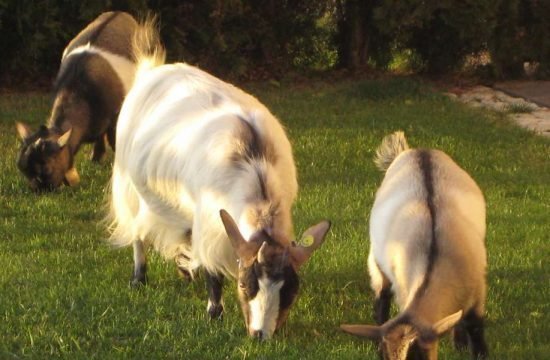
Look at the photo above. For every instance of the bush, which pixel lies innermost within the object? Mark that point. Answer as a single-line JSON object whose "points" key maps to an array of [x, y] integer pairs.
{"points": [[442, 33], [237, 37], [267, 38], [522, 34], [234, 38]]}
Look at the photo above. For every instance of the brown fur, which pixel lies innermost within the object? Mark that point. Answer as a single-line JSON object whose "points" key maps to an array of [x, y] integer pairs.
{"points": [[89, 94], [111, 31], [431, 246]]}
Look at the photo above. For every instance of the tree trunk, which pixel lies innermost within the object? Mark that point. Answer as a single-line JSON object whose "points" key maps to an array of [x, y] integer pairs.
{"points": [[353, 36]]}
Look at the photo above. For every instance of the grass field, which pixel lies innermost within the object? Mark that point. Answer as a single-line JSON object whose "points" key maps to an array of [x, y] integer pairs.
{"points": [[64, 290]]}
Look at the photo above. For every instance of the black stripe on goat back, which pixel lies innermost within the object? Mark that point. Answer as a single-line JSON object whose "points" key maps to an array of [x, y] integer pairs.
{"points": [[255, 149], [252, 141], [425, 163], [255, 146], [112, 31]]}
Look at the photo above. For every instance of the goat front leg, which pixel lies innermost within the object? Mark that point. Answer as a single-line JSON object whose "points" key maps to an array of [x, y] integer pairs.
{"points": [[139, 275], [214, 283], [460, 336], [474, 324], [382, 292], [415, 352], [183, 262], [382, 296]]}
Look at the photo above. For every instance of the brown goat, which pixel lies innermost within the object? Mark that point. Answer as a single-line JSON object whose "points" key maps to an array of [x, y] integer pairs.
{"points": [[97, 70]]}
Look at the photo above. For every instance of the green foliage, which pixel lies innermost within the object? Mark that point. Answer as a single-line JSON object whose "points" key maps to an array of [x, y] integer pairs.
{"points": [[24, 27], [519, 108], [318, 51], [442, 33], [233, 38], [268, 38], [437, 36], [236, 37], [64, 290], [522, 34], [33, 34]]}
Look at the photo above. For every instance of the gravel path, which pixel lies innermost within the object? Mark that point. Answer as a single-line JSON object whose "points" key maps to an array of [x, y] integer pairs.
{"points": [[523, 112]]}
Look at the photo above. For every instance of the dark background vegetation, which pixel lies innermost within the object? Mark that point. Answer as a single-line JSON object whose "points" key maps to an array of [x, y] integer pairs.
{"points": [[272, 39]]}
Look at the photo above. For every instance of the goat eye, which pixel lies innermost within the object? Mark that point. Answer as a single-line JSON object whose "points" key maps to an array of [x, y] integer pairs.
{"points": [[242, 285]]}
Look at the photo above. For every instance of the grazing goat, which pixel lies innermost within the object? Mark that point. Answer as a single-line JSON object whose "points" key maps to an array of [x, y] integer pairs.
{"points": [[427, 230], [204, 173], [97, 70]]}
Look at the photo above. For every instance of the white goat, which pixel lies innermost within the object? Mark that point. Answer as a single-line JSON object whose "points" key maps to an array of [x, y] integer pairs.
{"points": [[191, 150], [427, 230]]}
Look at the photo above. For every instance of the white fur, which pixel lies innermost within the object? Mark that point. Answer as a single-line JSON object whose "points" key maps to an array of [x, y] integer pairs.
{"points": [[124, 68], [400, 230], [173, 169], [264, 308]]}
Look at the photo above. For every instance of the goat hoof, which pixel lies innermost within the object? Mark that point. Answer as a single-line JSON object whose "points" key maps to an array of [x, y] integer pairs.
{"points": [[138, 282], [97, 158], [215, 311]]}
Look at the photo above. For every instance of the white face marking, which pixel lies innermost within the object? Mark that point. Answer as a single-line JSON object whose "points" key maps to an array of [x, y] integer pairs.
{"points": [[264, 308], [398, 351]]}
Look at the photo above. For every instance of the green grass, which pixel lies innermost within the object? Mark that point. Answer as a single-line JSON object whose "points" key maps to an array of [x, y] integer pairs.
{"points": [[64, 290], [519, 108]]}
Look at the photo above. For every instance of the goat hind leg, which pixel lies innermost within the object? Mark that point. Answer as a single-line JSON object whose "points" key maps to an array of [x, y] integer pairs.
{"points": [[111, 136], [99, 149]]}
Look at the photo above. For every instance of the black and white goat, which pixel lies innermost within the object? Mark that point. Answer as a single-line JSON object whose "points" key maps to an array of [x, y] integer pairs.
{"points": [[97, 70], [204, 173], [427, 230]]}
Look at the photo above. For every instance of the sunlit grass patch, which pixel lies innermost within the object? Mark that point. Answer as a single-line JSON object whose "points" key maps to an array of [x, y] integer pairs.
{"points": [[64, 290], [519, 108]]}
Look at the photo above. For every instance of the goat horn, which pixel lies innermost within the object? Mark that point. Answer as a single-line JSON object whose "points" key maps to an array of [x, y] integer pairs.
{"points": [[261, 253]]}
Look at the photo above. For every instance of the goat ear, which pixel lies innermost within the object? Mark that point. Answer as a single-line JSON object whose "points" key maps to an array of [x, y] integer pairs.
{"points": [[23, 130], [246, 250], [447, 322], [63, 139], [71, 177], [369, 331], [300, 254]]}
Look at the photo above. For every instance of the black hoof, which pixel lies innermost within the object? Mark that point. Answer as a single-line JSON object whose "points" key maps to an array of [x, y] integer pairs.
{"points": [[97, 158], [215, 312], [137, 282]]}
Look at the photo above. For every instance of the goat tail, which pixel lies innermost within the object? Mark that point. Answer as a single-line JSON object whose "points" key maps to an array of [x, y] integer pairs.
{"points": [[147, 48], [392, 145]]}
